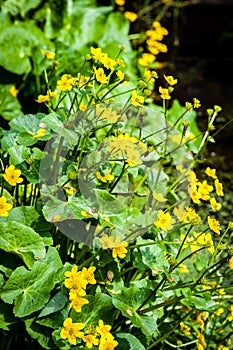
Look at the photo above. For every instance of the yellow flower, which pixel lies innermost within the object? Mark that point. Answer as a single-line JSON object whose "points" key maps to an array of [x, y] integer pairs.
{"points": [[103, 329], [50, 55], [218, 188], [202, 239], [199, 346], [77, 302], [131, 16], [183, 269], [214, 225], [214, 204], [204, 189], [71, 331], [69, 189], [191, 217], [65, 83], [107, 344], [137, 100], [52, 94], [13, 91], [40, 133], [201, 337], [146, 59], [108, 62], [196, 103], [12, 175], [211, 172], [170, 79], [100, 76], [120, 2], [159, 197], [105, 178], [119, 248], [87, 275], [184, 328], [90, 340], [164, 93], [4, 206], [231, 263], [107, 241], [164, 221], [97, 53], [219, 312], [43, 98]]}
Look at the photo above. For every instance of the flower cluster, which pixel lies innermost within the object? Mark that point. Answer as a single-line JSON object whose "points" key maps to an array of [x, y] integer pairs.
{"points": [[94, 336], [77, 282], [154, 45]]}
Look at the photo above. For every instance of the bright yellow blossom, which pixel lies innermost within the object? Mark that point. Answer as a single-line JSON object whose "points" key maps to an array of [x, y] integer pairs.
{"points": [[170, 80], [41, 132], [214, 204], [211, 172], [12, 175], [214, 225], [119, 248], [164, 93], [71, 330], [90, 340], [43, 98], [107, 344], [105, 178], [131, 16], [218, 188], [13, 91], [231, 263], [191, 217], [100, 76], [50, 55], [4, 206], [164, 221], [137, 100], [77, 302], [120, 2], [65, 83]]}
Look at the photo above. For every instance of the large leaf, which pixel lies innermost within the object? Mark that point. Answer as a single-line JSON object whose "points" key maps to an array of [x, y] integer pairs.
{"points": [[21, 240], [29, 290], [9, 105], [128, 303]]}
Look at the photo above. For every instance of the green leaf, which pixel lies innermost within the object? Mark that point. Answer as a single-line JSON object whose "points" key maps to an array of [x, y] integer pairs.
{"points": [[9, 105], [128, 302], [53, 121], [98, 308], [24, 215], [29, 123], [21, 240], [18, 154], [55, 304], [30, 290], [153, 256], [127, 341]]}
